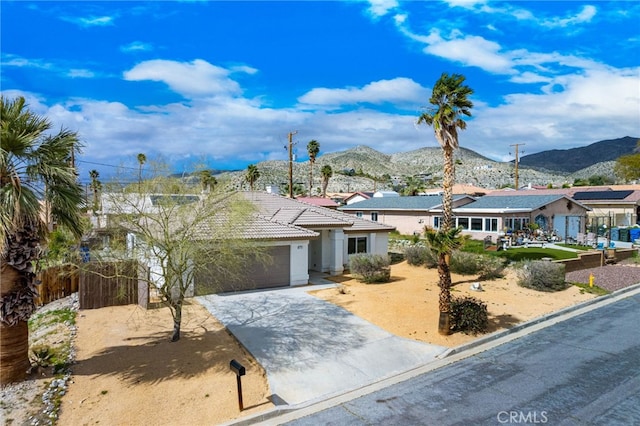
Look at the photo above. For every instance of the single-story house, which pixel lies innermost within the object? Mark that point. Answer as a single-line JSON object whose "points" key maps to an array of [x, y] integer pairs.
{"points": [[613, 205], [339, 234], [300, 237], [408, 215], [356, 197], [491, 215], [485, 216]]}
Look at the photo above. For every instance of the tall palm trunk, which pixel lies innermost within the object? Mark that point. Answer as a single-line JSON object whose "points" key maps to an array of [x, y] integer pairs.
{"points": [[448, 181], [444, 322], [310, 178], [444, 301], [17, 293], [14, 339]]}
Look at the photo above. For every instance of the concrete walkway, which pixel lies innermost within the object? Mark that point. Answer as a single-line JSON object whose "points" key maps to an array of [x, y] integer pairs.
{"points": [[312, 349]]}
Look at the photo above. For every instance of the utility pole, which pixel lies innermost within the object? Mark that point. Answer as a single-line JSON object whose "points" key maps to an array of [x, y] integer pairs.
{"points": [[291, 162], [517, 160]]}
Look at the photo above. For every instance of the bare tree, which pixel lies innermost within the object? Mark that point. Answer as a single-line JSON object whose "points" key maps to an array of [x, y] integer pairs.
{"points": [[180, 234]]}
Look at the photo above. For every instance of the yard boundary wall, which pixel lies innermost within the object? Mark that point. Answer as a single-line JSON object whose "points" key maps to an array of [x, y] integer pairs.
{"points": [[594, 259], [56, 282], [108, 284]]}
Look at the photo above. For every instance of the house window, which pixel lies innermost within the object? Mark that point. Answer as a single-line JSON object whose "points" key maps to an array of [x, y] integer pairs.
{"points": [[491, 224], [357, 245], [476, 224], [358, 214], [437, 220], [374, 216], [516, 223], [463, 222]]}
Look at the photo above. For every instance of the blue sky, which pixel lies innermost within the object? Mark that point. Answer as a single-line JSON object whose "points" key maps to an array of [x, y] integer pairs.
{"points": [[223, 83]]}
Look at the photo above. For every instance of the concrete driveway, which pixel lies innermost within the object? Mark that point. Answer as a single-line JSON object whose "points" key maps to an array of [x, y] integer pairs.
{"points": [[312, 349]]}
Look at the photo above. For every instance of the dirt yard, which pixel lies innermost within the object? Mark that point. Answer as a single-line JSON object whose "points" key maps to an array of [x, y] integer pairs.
{"points": [[127, 371], [408, 305]]}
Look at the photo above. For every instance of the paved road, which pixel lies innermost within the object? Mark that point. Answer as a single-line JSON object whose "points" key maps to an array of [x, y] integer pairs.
{"points": [[582, 371], [312, 349]]}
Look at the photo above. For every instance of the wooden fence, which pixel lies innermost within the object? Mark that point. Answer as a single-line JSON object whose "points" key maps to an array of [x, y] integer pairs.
{"points": [[108, 284], [56, 282]]}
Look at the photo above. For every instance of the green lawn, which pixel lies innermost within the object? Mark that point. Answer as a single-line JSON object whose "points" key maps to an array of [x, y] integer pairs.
{"points": [[515, 254], [518, 253]]}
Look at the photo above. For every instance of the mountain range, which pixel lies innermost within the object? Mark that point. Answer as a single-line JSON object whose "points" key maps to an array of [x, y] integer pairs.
{"points": [[574, 159], [553, 167]]}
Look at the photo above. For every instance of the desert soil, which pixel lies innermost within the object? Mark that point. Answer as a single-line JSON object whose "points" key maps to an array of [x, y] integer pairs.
{"points": [[408, 305], [128, 373]]}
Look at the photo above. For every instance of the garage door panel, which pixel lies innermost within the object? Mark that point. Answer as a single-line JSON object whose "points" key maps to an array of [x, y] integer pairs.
{"points": [[256, 274]]}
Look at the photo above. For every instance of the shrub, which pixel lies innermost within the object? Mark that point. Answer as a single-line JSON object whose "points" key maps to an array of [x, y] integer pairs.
{"points": [[372, 268], [464, 263], [491, 268], [432, 259], [416, 255], [469, 315], [542, 275]]}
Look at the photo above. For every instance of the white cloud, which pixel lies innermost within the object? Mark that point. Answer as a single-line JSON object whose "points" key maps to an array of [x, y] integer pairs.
{"points": [[91, 21], [469, 50], [136, 46], [467, 4], [80, 73], [10, 60], [595, 105], [585, 15], [379, 8], [398, 91], [193, 79]]}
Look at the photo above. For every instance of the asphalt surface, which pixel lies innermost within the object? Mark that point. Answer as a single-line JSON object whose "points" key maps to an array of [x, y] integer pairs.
{"points": [[582, 368], [312, 349]]}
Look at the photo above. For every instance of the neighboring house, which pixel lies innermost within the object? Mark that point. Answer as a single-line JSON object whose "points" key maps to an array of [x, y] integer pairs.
{"points": [[479, 218], [613, 205], [381, 194], [300, 237], [356, 197], [319, 202], [409, 215], [460, 188], [490, 215]]}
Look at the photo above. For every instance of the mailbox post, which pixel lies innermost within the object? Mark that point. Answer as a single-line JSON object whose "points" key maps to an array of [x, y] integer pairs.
{"points": [[240, 371]]}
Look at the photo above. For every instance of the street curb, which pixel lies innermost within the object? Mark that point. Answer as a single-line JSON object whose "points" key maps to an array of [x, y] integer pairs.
{"points": [[439, 361]]}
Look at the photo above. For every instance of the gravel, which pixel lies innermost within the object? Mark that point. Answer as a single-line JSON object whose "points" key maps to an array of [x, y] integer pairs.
{"points": [[35, 401], [609, 277]]}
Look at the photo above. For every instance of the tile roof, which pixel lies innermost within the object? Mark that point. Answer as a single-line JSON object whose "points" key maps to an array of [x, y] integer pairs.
{"points": [[318, 201], [259, 228], [294, 212]]}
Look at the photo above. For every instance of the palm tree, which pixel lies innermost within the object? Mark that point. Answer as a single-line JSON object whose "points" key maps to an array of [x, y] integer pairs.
{"points": [[413, 186], [326, 173], [450, 103], [141, 160], [95, 186], [207, 180], [313, 148], [441, 243], [252, 175], [35, 167]]}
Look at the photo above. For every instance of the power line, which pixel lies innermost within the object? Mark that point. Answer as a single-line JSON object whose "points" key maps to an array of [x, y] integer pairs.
{"points": [[106, 165]]}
